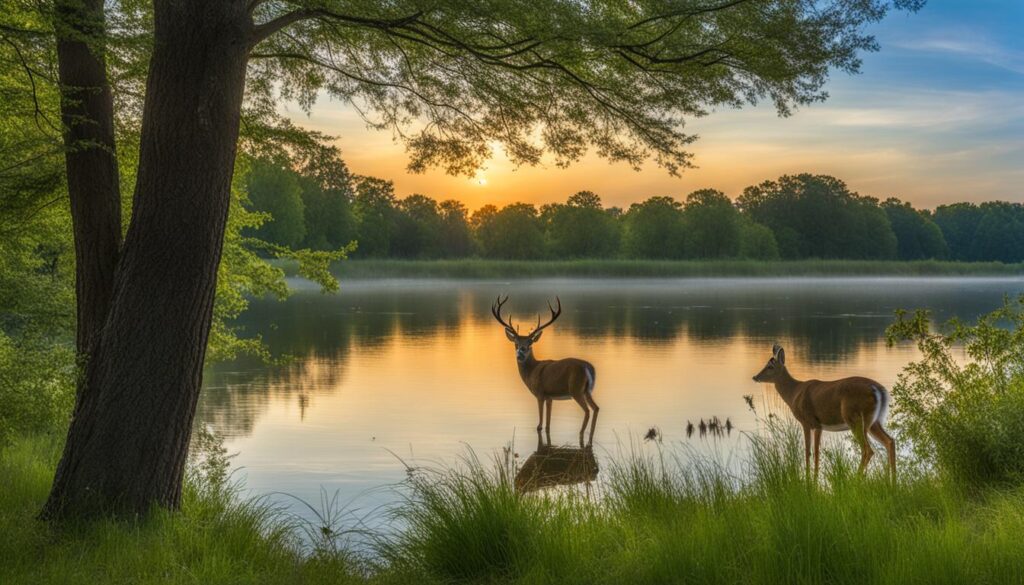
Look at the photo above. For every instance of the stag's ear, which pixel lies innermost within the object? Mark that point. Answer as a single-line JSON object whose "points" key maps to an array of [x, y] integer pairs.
{"points": [[535, 336], [510, 334], [781, 356]]}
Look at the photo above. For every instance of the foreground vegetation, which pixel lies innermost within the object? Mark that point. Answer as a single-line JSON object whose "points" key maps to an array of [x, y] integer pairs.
{"points": [[218, 538], [658, 520], [484, 268]]}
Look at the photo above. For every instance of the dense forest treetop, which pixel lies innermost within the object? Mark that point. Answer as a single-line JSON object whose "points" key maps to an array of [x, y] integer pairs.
{"points": [[798, 216]]}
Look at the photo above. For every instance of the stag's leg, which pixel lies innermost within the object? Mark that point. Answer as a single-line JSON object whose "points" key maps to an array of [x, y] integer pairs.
{"points": [[547, 424], [878, 431], [540, 415], [816, 439], [596, 409], [586, 413]]}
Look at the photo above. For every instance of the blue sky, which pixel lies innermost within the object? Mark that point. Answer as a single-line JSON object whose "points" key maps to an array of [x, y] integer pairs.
{"points": [[936, 116]]}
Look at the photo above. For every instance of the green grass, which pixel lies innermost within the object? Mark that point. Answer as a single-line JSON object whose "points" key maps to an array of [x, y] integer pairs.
{"points": [[662, 521], [478, 268], [659, 520], [217, 538]]}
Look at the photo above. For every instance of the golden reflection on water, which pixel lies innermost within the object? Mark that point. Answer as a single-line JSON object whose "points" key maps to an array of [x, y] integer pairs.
{"points": [[421, 370]]}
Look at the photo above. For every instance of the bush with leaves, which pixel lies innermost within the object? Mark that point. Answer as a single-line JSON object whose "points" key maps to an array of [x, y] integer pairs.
{"points": [[965, 416]]}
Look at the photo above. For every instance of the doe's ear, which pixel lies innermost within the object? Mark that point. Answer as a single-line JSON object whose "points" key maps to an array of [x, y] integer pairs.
{"points": [[535, 335], [781, 356], [510, 334]]}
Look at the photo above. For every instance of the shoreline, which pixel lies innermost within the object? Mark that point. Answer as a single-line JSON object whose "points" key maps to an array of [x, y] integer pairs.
{"points": [[372, 269]]}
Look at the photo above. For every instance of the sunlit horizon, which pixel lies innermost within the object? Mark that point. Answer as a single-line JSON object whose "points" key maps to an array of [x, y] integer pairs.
{"points": [[935, 117]]}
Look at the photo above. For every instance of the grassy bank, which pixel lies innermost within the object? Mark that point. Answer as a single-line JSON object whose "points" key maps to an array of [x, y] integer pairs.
{"points": [[659, 521], [218, 538], [478, 268]]}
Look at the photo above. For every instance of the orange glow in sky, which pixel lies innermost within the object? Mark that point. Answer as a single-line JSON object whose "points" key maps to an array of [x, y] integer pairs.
{"points": [[935, 117]]}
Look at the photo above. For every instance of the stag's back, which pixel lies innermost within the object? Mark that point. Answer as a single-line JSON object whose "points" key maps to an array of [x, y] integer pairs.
{"points": [[561, 379]]}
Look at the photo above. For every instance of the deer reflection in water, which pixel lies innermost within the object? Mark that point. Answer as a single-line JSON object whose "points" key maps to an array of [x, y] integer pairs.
{"points": [[551, 466]]}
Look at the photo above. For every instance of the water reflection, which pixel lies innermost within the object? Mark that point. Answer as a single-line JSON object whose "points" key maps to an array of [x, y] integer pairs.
{"points": [[418, 368], [834, 315], [235, 397], [551, 466]]}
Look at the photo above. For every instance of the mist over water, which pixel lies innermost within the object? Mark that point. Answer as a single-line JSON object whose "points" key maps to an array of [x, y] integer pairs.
{"points": [[420, 369]]}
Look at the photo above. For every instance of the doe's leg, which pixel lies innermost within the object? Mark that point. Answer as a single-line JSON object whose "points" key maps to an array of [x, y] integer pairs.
{"points": [[816, 439], [540, 415], [878, 431], [807, 452], [547, 424], [860, 433]]}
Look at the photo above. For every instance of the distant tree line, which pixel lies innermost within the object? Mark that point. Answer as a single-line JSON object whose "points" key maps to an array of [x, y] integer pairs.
{"points": [[793, 217]]}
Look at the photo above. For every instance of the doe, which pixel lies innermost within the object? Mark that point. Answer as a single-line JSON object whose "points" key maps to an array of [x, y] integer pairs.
{"points": [[852, 404]]}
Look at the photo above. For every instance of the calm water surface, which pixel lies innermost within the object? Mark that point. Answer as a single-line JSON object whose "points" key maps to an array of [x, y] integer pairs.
{"points": [[420, 370]]}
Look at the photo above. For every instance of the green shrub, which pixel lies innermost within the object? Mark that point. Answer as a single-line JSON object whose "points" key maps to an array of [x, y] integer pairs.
{"points": [[965, 416], [36, 385]]}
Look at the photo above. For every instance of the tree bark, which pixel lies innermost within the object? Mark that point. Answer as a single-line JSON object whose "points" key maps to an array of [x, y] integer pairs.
{"points": [[87, 110], [128, 441]]}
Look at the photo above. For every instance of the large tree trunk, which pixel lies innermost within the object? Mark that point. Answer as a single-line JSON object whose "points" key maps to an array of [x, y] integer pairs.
{"points": [[128, 441], [87, 110]]}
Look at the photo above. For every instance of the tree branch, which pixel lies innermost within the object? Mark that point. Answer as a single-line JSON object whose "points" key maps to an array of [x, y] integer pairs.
{"points": [[262, 31], [688, 13]]}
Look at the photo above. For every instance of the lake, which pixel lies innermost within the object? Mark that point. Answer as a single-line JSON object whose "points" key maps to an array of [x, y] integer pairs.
{"points": [[418, 370]]}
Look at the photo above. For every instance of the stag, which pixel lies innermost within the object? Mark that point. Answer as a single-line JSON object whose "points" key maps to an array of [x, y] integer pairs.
{"points": [[550, 380]]}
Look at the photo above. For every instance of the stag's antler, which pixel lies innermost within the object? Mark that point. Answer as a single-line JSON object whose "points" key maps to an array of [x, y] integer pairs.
{"points": [[496, 311], [555, 313]]}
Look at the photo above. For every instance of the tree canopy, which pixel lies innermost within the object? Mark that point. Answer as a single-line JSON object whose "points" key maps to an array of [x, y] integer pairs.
{"points": [[712, 225], [556, 77], [917, 236], [582, 228], [990, 231], [812, 211], [654, 228], [817, 216]]}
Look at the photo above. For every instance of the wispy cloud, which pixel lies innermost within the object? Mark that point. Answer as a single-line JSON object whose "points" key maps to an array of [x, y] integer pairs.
{"points": [[968, 45], [936, 110]]}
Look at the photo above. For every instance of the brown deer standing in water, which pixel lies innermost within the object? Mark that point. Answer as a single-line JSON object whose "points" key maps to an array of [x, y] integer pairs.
{"points": [[550, 380], [853, 404]]}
